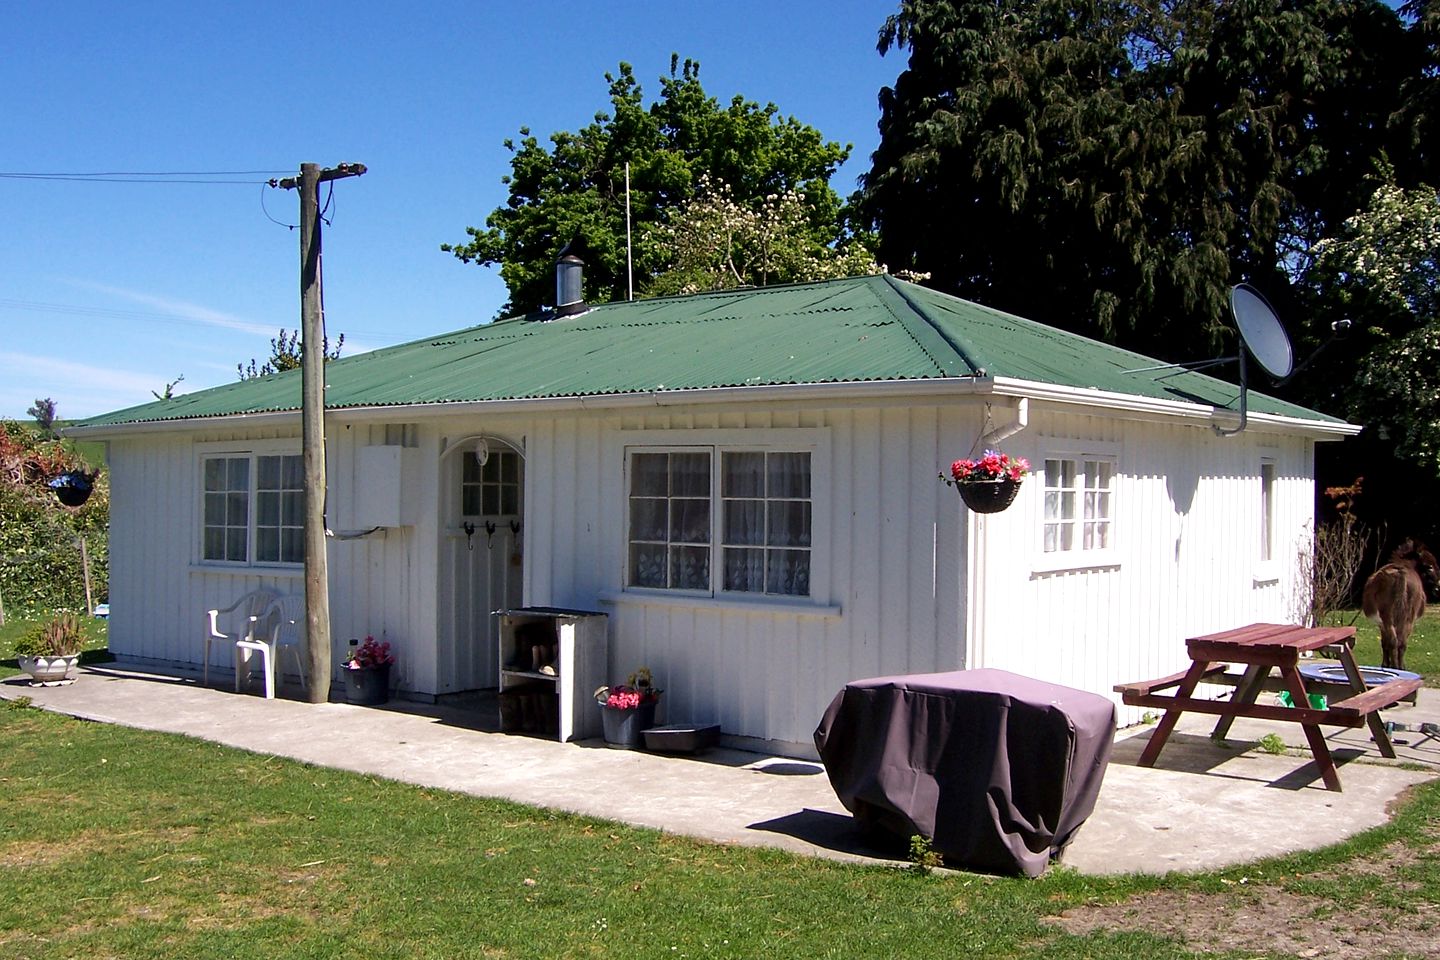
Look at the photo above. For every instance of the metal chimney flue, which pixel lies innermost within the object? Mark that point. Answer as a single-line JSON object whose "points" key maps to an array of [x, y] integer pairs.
{"points": [[569, 298]]}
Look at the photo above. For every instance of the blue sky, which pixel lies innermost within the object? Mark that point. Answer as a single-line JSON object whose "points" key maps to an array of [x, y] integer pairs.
{"points": [[109, 290]]}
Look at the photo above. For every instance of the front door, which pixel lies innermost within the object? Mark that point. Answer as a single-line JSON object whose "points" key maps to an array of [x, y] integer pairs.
{"points": [[481, 567]]}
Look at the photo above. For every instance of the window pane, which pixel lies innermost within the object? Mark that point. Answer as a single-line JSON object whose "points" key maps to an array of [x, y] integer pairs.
{"points": [[745, 522], [214, 509], [510, 467], [789, 572], [788, 474], [1067, 536], [237, 473], [510, 499], [647, 565], [237, 509], [294, 467], [648, 519], [214, 548], [1067, 505], [292, 513], [1053, 474], [215, 474], [789, 524], [649, 474], [470, 501], [267, 509], [690, 475], [690, 568], [235, 544], [267, 473], [1052, 505], [690, 521], [1052, 537], [292, 546], [267, 545], [745, 570], [744, 475], [490, 500]]}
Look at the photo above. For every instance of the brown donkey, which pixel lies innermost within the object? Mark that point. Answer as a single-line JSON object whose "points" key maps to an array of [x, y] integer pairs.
{"points": [[1394, 597]]}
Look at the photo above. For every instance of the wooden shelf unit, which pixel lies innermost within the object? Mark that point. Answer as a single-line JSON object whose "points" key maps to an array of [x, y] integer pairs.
{"points": [[580, 644]]}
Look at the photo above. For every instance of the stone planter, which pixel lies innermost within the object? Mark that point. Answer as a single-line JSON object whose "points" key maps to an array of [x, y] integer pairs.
{"points": [[50, 671]]}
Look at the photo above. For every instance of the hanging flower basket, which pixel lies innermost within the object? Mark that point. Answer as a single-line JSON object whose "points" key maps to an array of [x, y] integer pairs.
{"points": [[989, 484], [989, 496], [72, 488]]}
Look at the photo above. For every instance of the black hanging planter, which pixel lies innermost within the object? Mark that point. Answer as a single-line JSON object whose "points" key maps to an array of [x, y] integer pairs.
{"points": [[988, 496], [72, 488]]}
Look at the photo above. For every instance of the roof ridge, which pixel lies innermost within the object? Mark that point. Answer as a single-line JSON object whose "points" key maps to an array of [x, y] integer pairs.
{"points": [[928, 335]]}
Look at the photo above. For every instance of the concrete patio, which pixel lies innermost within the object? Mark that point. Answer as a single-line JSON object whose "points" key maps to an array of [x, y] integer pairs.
{"points": [[1205, 805]]}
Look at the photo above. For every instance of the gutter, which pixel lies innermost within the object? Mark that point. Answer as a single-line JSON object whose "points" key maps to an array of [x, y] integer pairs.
{"points": [[820, 392], [843, 391]]}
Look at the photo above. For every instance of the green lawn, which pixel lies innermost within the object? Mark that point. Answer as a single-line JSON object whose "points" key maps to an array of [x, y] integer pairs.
{"points": [[124, 843], [1422, 653]]}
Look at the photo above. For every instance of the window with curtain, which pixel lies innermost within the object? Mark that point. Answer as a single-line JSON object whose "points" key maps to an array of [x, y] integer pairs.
{"points": [[758, 501], [1079, 504], [253, 509]]}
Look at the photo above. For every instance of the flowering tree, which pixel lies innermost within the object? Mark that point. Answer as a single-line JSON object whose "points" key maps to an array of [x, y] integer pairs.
{"points": [[713, 242], [1387, 260]]}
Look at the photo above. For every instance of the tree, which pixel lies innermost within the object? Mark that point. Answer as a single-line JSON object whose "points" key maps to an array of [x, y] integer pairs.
{"points": [[714, 242], [573, 190], [170, 385], [286, 353], [1113, 167], [1385, 265], [44, 414]]}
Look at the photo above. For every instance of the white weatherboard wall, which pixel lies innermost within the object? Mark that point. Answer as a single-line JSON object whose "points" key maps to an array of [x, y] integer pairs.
{"points": [[1187, 531], [897, 555], [159, 589]]}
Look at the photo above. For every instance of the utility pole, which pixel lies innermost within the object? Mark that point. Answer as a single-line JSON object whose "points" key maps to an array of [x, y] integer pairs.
{"points": [[312, 414]]}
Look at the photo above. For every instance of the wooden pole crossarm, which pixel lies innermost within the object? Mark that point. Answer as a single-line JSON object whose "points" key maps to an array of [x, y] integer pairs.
{"points": [[337, 172]]}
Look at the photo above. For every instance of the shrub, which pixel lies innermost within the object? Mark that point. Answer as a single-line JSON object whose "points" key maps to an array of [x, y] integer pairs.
{"points": [[60, 636]]}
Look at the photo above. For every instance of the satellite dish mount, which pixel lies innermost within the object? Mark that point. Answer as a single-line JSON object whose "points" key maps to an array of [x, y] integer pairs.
{"points": [[1265, 341]]}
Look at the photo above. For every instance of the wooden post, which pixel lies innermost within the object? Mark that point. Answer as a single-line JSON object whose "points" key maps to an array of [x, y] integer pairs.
{"points": [[312, 412], [85, 566]]}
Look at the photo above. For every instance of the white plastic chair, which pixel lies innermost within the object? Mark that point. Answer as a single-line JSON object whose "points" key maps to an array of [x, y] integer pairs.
{"points": [[281, 625], [245, 614]]}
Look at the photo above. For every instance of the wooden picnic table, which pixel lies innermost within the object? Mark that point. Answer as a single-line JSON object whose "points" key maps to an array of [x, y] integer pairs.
{"points": [[1261, 648]]}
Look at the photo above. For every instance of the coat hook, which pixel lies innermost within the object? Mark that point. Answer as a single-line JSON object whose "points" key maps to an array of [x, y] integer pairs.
{"points": [[515, 527], [469, 529], [489, 533]]}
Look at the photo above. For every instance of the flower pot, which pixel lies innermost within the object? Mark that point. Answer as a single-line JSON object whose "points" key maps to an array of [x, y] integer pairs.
{"points": [[50, 671], [626, 728], [988, 496], [368, 686]]}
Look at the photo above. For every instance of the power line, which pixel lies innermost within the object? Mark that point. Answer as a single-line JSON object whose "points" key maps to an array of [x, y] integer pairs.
{"points": [[162, 176]]}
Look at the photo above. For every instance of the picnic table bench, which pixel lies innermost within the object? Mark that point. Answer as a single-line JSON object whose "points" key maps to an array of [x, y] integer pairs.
{"points": [[1262, 648]]}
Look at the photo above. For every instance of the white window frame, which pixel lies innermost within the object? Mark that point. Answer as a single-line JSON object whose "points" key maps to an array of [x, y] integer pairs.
{"points": [[253, 452], [717, 442], [1077, 557], [1267, 566]]}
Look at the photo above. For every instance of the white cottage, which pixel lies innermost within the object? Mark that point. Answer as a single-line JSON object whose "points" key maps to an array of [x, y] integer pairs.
{"points": [[746, 482]]}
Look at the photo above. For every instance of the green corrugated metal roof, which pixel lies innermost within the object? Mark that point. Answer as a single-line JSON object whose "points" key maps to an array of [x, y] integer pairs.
{"points": [[866, 328]]}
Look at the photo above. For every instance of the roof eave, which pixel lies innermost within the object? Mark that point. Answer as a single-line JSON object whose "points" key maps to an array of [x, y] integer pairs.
{"points": [[836, 391], [1154, 407]]}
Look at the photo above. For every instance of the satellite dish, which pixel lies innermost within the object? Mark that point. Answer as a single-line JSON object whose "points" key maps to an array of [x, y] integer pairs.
{"points": [[1261, 330]]}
